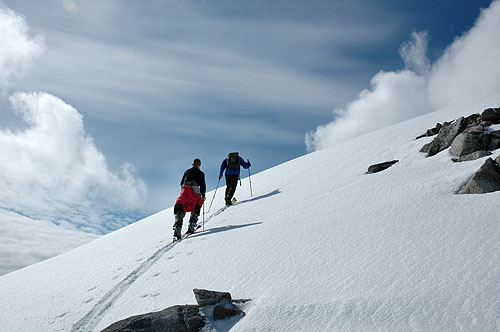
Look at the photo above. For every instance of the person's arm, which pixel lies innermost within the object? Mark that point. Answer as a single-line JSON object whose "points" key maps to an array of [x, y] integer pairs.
{"points": [[223, 166], [183, 178], [244, 163], [203, 185]]}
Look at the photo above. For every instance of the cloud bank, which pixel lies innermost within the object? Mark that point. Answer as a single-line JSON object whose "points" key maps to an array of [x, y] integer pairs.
{"points": [[57, 191], [18, 50], [53, 160], [467, 72]]}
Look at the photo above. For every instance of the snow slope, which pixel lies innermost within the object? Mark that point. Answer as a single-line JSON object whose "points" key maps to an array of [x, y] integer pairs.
{"points": [[321, 246]]}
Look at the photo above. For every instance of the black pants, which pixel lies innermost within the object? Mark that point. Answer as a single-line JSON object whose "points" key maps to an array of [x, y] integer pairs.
{"points": [[180, 214], [231, 183]]}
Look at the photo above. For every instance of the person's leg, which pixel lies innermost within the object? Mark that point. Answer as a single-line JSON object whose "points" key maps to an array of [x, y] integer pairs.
{"points": [[179, 216], [193, 220], [231, 183]]}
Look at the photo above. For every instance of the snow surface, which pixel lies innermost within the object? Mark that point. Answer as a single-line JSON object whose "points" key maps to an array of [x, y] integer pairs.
{"points": [[321, 246]]}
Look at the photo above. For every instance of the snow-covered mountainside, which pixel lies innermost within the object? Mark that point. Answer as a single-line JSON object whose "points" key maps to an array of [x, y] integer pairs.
{"points": [[321, 246]]}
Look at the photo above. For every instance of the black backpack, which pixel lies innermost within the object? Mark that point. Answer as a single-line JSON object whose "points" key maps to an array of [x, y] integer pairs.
{"points": [[233, 160]]}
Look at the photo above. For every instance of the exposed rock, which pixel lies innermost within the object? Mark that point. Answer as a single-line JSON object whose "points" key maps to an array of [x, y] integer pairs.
{"points": [[492, 140], [475, 129], [222, 312], [466, 143], [425, 148], [382, 166], [432, 131], [473, 119], [472, 156], [180, 318], [183, 318], [471, 141], [486, 179], [497, 160], [491, 115], [446, 136], [206, 297]]}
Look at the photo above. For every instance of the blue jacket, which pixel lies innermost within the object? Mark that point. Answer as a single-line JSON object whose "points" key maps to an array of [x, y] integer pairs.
{"points": [[236, 171]]}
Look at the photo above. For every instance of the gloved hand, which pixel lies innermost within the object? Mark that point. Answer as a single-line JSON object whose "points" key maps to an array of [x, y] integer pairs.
{"points": [[220, 177], [248, 161]]}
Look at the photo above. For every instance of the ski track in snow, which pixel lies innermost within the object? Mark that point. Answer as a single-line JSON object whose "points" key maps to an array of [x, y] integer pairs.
{"points": [[95, 315]]}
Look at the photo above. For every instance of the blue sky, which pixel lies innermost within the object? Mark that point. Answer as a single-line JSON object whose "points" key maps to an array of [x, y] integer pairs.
{"points": [[157, 83]]}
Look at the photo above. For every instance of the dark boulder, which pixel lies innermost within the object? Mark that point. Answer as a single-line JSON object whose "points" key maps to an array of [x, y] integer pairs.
{"points": [[492, 140], [206, 297], [431, 131], [425, 148], [466, 143], [180, 318], [222, 312], [382, 166], [491, 115], [473, 156], [485, 180], [475, 129], [473, 120], [446, 136]]}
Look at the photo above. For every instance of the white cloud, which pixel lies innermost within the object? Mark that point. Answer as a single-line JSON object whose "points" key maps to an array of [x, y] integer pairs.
{"points": [[414, 53], [57, 190], [17, 49], [395, 96], [469, 69], [466, 73], [24, 241], [53, 165]]}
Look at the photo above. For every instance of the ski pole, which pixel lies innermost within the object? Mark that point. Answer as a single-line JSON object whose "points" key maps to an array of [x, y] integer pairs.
{"points": [[250, 179], [203, 223], [214, 196]]}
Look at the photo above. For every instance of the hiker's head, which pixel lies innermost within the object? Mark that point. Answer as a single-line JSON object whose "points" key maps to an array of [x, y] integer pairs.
{"points": [[197, 162]]}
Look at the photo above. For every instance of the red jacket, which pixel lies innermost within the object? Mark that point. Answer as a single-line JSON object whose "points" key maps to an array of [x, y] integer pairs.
{"points": [[189, 198]]}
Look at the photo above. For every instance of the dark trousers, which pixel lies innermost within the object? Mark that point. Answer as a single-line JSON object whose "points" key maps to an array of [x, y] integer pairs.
{"points": [[231, 183], [180, 214]]}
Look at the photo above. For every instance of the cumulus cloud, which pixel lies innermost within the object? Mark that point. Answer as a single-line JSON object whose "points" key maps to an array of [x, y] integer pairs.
{"points": [[467, 72], [53, 164], [17, 49], [57, 190], [394, 97]]}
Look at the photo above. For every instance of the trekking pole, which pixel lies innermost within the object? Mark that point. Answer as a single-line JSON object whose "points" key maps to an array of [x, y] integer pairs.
{"points": [[250, 179], [203, 223], [214, 196]]}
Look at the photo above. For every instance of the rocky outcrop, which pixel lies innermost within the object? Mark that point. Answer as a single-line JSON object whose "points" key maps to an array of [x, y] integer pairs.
{"points": [[491, 116], [469, 138], [446, 136], [382, 166], [206, 297], [468, 142], [472, 156], [432, 131], [486, 179], [217, 305], [183, 318], [179, 318]]}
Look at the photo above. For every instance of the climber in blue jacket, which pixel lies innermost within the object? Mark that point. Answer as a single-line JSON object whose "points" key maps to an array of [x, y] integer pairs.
{"points": [[232, 167]]}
